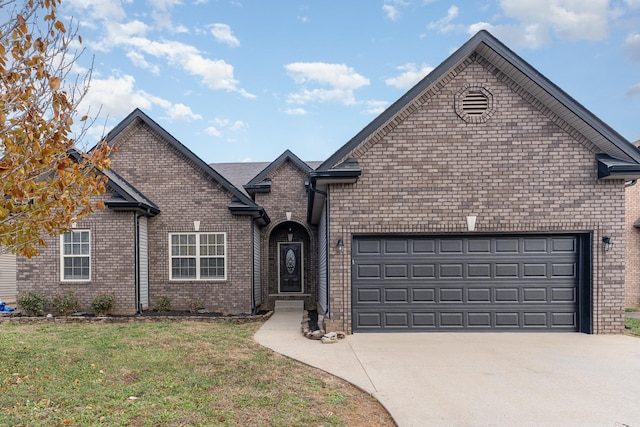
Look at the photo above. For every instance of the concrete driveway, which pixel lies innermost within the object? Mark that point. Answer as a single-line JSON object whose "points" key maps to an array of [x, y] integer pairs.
{"points": [[483, 379]]}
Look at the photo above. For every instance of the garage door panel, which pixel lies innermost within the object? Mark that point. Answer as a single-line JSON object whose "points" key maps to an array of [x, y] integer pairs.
{"points": [[479, 271], [507, 295], [396, 247], [400, 271], [368, 271], [478, 295], [424, 271], [396, 295], [451, 271], [422, 295], [459, 283], [369, 295]]}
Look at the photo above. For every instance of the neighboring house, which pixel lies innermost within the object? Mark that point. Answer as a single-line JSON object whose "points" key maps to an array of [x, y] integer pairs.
{"points": [[481, 200], [7, 277], [632, 228]]}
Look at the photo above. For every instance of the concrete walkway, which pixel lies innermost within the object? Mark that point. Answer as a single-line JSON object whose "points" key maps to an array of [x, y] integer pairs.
{"points": [[482, 379]]}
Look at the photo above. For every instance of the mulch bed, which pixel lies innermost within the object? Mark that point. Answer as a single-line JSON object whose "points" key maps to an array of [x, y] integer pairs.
{"points": [[147, 316]]}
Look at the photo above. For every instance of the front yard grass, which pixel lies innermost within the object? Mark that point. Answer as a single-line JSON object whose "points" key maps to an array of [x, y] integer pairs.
{"points": [[166, 374], [634, 326]]}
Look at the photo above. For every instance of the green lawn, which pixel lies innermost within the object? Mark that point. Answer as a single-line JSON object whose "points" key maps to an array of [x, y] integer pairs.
{"points": [[165, 373], [634, 324]]}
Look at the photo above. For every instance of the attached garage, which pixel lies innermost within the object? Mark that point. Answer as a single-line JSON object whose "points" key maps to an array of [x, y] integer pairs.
{"points": [[471, 283]]}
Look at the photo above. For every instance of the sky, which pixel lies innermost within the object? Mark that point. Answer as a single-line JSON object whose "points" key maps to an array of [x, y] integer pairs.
{"points": [[245, 80]]}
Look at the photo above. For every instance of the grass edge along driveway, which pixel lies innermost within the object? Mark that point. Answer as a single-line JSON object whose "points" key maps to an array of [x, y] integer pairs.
{"points": [[166, 373]]}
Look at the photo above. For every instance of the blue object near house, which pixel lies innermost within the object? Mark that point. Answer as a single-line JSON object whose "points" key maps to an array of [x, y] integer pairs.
{"points": [[4, 308]]}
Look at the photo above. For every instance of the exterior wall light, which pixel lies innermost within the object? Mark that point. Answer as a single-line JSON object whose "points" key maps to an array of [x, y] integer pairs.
{"points": [[608, 242], [290, 235], [340, 246]]}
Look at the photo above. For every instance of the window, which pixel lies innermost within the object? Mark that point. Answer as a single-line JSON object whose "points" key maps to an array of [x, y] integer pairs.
{"points": [[198, 256], [75, 250]]}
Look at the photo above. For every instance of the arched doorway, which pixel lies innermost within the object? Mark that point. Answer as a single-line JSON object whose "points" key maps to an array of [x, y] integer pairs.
{"points": [[289, 260]]}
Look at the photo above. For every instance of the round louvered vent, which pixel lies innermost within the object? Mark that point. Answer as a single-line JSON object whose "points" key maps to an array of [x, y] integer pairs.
{"points": [[474, 104]]}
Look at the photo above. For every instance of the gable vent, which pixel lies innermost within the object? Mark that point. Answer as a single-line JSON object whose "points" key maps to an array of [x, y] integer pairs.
{"points": [[475, 103]]}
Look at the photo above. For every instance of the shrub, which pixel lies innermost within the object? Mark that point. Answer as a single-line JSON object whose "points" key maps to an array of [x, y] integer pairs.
{"points": [[195, 305], [66, 304], [163, 304], [102, 304], [32, 302]]}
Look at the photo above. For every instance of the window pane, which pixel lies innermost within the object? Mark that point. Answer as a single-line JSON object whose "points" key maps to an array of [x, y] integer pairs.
{"points": [[183, 268], [212, 268]]}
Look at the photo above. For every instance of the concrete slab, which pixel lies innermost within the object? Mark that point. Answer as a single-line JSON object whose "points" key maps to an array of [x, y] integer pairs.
{"points": [[480, 379]]}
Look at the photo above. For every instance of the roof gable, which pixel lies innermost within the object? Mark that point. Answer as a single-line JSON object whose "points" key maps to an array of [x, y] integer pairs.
{"points": [[260, 182], [240, 203], [515, 68]]}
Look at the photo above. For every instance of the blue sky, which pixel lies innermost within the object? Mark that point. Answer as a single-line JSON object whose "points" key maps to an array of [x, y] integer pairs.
{"points": [[244, 80]]}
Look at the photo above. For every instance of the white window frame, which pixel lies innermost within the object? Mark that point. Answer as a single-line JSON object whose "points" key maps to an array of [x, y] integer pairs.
{"points": [[63, 256], [198, 257]]}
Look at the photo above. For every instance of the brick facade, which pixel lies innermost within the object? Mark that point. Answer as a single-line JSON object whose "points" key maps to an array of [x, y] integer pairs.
{"points": [[111, 270], [519, 171], [632, 256], [288, 194], [185, 194]]}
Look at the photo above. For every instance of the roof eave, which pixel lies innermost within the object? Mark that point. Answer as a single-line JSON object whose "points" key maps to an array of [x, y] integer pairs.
{"points": [[610, 168], [133, 206], [318, 183]]}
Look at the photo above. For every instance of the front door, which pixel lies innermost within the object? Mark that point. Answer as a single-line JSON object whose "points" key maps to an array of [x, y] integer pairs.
{"points": [[290, 261]]}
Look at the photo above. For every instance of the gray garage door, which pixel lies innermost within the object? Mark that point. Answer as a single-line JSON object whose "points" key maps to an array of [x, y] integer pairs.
{"points": [[492, 283]]}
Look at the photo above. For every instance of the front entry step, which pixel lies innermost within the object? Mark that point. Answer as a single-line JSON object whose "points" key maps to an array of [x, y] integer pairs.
{"points": [[289, 305]]}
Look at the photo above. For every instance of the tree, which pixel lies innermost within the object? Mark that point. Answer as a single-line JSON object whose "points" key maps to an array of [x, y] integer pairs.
{"points": [[46, 181]]}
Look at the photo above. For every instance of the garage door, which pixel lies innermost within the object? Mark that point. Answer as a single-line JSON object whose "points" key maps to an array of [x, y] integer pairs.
{"points": [[463, 283]]}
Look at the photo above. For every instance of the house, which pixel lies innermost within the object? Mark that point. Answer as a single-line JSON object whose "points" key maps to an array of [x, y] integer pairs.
{"points": [[484, 199], [632, 256]]}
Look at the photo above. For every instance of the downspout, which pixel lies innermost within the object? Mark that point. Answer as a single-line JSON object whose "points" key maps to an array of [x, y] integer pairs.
{"points": [[253, 268], [326, 231], [630, 184], [137, 261]]}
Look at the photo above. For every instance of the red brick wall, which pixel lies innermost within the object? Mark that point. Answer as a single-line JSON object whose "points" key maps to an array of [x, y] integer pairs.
{"points": [[518, 172], [288, 194]]}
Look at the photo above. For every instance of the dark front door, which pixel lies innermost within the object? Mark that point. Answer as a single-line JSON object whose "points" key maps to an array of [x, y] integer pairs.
{"points": [[290, 267]]}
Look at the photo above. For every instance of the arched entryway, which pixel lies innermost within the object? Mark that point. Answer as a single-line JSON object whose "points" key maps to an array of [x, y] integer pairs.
{"points": [[291, 275]]}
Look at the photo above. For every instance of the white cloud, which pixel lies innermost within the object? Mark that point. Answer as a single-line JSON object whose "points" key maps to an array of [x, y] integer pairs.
{"points": [[444, 25], [215, 74], [375, 107], [225, 125], [390, 11], [533, 35], [212, 131], [566, 19], [107, 10], [409, 76], [633, 4], [139, 60], [341, 80], [238, 125], [632, 46], [634, 90], [223, 34], [295, 111], [182, 113]]}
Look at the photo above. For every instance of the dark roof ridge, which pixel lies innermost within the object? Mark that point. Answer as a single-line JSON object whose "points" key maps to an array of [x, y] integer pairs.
{"points": [[286, 155]]}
